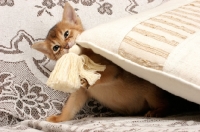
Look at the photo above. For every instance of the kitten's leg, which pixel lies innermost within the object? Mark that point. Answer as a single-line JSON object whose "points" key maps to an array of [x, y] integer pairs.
{"points": [[159, 105], [157, 112], [73, 105]]}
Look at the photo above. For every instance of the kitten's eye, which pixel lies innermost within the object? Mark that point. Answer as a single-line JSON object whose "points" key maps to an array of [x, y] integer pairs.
{"points": [[56, 47], [66, 34]]}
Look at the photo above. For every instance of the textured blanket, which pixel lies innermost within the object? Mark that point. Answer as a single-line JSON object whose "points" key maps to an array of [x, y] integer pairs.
{"points": [[25, 100]]}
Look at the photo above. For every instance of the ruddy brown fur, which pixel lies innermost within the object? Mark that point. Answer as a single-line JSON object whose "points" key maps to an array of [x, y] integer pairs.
{"points": [[117, 89]]}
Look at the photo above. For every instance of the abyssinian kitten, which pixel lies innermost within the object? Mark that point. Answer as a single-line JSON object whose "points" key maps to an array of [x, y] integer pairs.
{"points": [[117, 89]]}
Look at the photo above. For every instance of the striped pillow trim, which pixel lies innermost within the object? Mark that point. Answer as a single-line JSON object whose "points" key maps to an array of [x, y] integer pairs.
{"points": [[150, 42]]}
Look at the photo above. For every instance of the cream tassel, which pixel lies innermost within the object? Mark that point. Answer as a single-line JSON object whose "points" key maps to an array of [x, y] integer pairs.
{"points": [[69, 70]]}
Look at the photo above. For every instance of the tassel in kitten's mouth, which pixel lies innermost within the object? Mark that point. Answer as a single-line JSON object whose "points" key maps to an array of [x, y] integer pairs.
{"points": [[75, 49]]}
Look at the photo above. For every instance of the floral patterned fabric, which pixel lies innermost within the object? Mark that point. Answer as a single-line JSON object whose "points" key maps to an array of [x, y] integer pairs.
{"points": [[25, 100], [179, 123]]}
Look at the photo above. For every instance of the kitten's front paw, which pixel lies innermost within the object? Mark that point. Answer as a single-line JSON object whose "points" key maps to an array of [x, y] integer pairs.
{"points": [[84, 83], [54, 118]]}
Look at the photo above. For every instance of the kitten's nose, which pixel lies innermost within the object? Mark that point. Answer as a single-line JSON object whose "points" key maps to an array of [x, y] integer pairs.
{"points": [[67, 46]]}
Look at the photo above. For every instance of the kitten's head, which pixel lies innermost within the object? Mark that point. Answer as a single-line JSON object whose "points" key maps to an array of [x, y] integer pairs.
{"points": [[62, 36]]}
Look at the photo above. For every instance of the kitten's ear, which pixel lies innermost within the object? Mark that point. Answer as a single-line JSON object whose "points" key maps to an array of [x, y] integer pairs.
{"points": [[69, 14], [41, 46]]}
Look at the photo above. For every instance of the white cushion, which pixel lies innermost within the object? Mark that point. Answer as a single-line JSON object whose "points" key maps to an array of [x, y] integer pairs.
{"points": [[161, 46]]}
